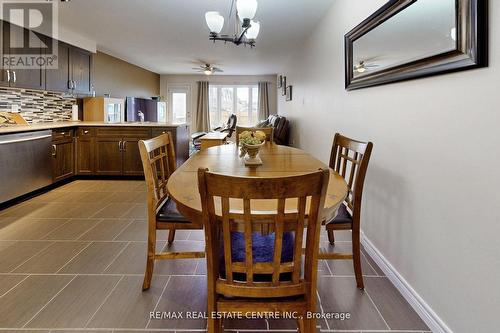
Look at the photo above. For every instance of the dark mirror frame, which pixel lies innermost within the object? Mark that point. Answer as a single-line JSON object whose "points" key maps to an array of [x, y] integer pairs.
{"points": [[471, 46]]}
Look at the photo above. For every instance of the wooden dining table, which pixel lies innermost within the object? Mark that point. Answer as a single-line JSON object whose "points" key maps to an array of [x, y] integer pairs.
{"points": [[278, 161]]}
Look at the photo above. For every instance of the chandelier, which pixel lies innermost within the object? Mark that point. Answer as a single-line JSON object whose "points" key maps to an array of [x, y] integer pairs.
{"points": [[245, 12]]}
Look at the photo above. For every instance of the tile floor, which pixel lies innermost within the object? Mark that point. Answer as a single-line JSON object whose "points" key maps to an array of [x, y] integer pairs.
{"points": [[72, 260]]}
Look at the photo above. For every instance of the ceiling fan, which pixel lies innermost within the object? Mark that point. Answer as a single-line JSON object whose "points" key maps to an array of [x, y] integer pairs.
{"points": [[208, 69], [362, 66]]}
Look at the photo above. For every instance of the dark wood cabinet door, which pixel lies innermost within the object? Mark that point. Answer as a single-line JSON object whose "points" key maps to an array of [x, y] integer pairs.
{"points": [[81, 64], [58, 79], [108, 156], [4, 51], [132, 164], [63, 160], [34, 76], [84, 156]]}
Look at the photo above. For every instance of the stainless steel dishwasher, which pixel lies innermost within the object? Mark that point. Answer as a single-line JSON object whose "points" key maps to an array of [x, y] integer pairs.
{"points": [[25, 163]]}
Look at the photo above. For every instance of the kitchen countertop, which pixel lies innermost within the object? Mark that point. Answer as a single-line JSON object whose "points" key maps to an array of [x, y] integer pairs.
{"points": [[64, 124]]}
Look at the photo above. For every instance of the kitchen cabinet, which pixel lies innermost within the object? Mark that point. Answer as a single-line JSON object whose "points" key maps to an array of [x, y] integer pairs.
{"points": [[33, 77], [81, 70], [63, 155], [73, 73], [84, 155], [59, 79], [117, 151]]}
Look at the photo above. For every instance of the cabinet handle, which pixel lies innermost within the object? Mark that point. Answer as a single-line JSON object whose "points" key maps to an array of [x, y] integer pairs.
{"points": [[120, 146], [15, 78], [85, 132], [63, 133], [124, 145], [70, 84], [8, 75], [54, 150]]}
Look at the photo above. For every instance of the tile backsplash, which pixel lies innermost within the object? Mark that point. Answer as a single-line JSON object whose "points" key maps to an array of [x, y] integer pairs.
{"points": [[37, 106]]}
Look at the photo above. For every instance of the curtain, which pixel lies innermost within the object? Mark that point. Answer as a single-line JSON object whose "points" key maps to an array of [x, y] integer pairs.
{"points": [[202, 110], [263, 101]]}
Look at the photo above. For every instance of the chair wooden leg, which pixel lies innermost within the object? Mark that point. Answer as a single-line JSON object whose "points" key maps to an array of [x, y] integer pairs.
{"points": [[356, 252], [300, 324], [309, 325], [150, 263], [331, 236], [214, 325], [171, 236]]}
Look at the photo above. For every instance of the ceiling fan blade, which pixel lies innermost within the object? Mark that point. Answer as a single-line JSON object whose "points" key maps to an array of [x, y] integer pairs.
{"points": [[218, 70]]}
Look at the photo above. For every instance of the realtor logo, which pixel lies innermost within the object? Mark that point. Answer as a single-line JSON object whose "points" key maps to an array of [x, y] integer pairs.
{"points": [[29, 33]]}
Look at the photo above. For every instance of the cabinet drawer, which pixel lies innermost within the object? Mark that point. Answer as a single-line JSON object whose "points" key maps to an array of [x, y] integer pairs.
{"points": [[62, 134], [123, 132], [85, 132]]}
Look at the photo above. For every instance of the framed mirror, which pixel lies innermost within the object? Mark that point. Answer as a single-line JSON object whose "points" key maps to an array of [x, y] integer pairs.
{"points": [[407, 39]]}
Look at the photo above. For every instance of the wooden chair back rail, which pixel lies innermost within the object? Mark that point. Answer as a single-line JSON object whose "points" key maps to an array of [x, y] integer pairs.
{"points": [[218, 186], [348, 158], [269, 131], [158, 158]]}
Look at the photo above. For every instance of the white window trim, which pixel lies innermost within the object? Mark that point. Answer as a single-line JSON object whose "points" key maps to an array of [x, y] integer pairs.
{"points": [[250, 87]]}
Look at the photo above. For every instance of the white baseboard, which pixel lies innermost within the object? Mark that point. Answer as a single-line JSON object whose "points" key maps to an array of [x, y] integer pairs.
{"points": [[435, 323]]}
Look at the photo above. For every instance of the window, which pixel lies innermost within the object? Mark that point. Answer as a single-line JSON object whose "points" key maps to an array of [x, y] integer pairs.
{"points": [[242, 100], [178, 103]]}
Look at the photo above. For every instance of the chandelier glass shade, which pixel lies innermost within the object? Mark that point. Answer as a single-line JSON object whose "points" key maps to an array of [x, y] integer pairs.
{"points": [[245, 13], [246, 9]]}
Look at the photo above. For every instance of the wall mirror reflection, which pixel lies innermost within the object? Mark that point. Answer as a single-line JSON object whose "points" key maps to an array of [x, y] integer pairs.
{"points": [[413, 38]]}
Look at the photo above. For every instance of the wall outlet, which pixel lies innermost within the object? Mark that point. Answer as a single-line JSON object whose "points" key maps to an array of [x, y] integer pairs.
{"points": [[14, 108]]}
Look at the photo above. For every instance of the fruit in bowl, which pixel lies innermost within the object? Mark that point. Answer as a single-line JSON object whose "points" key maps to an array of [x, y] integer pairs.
{"points": [[250, 143]]}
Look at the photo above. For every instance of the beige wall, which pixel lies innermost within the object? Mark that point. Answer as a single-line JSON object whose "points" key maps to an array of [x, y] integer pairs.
{"points": [[121, 79], [169, 81], [431, 197]]}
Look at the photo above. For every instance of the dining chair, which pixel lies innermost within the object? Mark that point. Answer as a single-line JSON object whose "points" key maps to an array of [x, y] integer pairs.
{"points": [[350, 159], [249, 271], [158, 160], [269, 131]]}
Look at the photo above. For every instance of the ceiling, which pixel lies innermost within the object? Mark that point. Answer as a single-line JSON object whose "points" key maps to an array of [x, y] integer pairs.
{"points": [[167, 36]]}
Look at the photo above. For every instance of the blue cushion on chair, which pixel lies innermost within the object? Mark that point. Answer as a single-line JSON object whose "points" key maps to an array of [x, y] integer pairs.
{"points": [[262, 251], [262, 247]]}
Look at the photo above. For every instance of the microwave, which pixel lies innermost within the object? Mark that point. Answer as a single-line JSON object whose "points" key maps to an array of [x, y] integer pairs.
{"points": [[105, 109]]}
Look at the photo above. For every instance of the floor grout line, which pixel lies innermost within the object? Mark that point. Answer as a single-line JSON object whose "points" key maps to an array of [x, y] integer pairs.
{"points": [[104, 301], [54, 230], [5, 293], [376, 308], [72, 258], [34, 255], [368, 262], [125, 228], [50, 300], [92, 228], [115, 257], [159, 299], [321, 307]]}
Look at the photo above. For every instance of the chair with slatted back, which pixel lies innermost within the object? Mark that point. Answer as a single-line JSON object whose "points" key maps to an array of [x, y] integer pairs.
{"points": [[158, 160], [250, 271], [269, 131], [350, 159]]}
